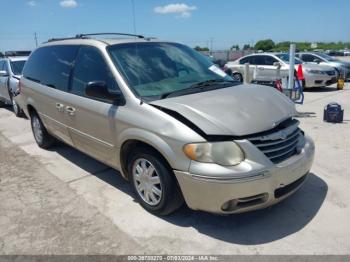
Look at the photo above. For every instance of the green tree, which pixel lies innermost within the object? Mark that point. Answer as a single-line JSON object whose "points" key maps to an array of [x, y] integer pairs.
{"points": [[246, 47], [235, 47], [265, 45], [198, 48]]}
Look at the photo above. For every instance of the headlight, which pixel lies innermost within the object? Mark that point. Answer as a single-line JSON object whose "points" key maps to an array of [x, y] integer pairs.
{"points": [[221, 153], [316, 72]]}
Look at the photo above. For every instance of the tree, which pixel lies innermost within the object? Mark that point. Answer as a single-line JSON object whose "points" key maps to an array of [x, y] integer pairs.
{"points": [[265, 45], [235, 47], [198, 48], [246, 47]]}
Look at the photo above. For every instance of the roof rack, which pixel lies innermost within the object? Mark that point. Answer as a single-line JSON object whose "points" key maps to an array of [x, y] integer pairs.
{"points": [[97, 34], [87, 36], [15, 53]]}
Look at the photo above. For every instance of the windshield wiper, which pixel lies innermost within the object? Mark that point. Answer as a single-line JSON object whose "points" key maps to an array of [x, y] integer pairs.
{"points": [[211, 82], [200, 85]]}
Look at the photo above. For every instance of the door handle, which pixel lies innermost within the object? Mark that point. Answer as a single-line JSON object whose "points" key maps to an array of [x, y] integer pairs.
{"points": [[70, 110], [261, 68], [60, 107]]}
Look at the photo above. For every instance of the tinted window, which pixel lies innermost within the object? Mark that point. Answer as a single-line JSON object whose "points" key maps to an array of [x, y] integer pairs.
{"points": [[259, 60], [1, 65], [245, 60], [51, 65], [17, 67], [308, 58], [269, 60], [90, 66]]}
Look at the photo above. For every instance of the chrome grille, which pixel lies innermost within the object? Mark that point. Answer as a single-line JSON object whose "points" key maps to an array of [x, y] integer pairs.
{"points": [[279, 145]]}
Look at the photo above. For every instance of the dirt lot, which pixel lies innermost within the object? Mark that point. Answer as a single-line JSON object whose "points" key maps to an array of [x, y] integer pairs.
{"points": [[63, 202]]}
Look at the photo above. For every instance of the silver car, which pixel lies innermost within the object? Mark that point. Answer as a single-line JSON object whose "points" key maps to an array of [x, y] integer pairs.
{"points": [[263, 67], [11, 67], [342, 67], [174, 125]]}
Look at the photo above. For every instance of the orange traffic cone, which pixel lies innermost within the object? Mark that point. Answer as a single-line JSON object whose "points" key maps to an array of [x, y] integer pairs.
{"points": [[300, 73]]}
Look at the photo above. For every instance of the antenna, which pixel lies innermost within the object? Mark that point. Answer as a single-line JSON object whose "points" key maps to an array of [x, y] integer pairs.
{"points": [[133, 15]]}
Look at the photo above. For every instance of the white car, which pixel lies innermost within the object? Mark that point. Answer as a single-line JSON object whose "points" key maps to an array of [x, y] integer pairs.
{"points": [[263, 67]]}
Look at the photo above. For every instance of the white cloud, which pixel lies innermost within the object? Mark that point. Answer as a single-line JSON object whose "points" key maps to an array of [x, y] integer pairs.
{"points": [[68, 3], [31, 3], [184, 10]]}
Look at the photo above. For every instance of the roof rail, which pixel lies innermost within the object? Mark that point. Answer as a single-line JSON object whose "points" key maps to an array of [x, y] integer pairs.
{"points": [[15, 53], [86, 36], [97, 34]]}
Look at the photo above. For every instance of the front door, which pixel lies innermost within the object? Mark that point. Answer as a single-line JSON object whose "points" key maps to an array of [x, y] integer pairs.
{"points": [[92, 123]]}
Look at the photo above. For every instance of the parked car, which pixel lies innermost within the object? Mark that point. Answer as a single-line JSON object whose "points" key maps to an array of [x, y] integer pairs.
{"points": [[342, 67], [11, 66], [264, 68], [346, 52], [334, 52], [174, 125]]}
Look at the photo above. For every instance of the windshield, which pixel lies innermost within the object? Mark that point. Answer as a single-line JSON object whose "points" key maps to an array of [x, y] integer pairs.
{"points": [[17, 67], [285, 58], [155, 69], [327, 57]]}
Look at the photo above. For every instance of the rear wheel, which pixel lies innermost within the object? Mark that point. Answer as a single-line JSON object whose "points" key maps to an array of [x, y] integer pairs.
{"points": [[154, 183], [41, 136]]}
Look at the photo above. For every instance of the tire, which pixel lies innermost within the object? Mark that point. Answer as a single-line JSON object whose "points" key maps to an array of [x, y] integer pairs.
{"points": [[41, 136], [167, 196], [238, 77]]}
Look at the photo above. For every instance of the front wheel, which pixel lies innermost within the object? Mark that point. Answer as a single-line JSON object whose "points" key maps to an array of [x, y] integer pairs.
{"points": [[154, 183], [41, 136]]}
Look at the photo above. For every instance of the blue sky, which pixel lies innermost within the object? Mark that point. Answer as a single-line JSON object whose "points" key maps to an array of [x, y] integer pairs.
{"points": [[193, 22]]}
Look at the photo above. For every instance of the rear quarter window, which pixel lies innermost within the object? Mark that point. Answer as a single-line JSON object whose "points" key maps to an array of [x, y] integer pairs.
{"points": [[51, 65]]}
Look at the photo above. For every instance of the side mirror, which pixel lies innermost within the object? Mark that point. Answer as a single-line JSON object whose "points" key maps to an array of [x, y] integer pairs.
{"points": [[99, 90], [277, 64], [3, 74], [316, 60]]}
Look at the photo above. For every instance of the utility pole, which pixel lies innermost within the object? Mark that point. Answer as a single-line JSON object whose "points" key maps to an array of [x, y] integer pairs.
{"points": [[36, 39], [211, 45], [133, 15]]}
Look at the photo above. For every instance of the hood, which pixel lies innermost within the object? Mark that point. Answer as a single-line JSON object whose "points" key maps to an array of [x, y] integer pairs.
{"points": [[234, 111]]}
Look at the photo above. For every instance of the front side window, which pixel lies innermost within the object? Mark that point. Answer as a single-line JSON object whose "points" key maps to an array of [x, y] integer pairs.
{"points": [[155, 69], [51, 65], [269, 60], [17, 67], [90, 66]]}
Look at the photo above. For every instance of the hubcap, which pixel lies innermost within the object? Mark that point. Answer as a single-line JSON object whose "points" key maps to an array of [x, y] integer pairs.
{"points": [[237, 77], [147, 181], [38, 133]]}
